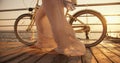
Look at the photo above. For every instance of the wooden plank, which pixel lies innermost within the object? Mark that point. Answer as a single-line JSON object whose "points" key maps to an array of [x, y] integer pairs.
{"points": [[24, 57], [9, 57], [13, 51], [87, 57], [5, 57], [114, 45], [93, 60], [10, 44], [19, 56], [101, 58], [105, 52], [17, 50], [9, 52], [33, 58], [47, 58], [111, 48], [4, 49], [118, 46], [114, 58]]}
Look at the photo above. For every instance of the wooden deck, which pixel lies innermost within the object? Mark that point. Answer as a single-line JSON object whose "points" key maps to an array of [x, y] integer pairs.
{"points": [[15, 52]]}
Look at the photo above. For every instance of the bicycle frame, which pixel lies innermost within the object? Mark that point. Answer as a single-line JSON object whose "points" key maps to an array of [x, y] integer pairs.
{"points": [[33, 16], [83, 26]]}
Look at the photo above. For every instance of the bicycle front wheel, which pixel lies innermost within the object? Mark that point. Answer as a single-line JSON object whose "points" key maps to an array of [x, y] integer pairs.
{"points": [[25, 36], [90, 27]]}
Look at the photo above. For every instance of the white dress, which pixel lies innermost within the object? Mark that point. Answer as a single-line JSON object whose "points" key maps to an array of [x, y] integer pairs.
{"points": [[54, 32]]}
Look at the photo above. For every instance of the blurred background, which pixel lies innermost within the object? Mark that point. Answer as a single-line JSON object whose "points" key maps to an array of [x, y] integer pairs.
{"points": [[11, 9]]}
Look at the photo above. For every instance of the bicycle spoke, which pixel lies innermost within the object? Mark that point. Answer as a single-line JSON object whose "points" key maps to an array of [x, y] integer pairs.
{"points": [[21, 29], [92, 29]]}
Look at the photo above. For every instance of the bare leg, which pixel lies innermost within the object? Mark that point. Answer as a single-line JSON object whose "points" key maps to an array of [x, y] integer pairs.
{"points": [[45, 38], [66, 40]]}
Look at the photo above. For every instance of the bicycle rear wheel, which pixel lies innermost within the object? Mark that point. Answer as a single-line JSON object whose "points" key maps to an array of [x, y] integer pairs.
{"points": [[90, 27], [27, 37]]}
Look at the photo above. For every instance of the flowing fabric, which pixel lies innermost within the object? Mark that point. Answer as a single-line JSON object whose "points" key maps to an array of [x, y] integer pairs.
{"points": [[54, 32]]}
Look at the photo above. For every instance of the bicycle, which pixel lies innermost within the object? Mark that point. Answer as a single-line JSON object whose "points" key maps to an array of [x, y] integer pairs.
{"points": [[83, 23]]}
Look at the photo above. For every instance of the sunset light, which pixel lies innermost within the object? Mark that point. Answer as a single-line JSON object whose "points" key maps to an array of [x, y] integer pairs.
{"points": [[32, 32]]}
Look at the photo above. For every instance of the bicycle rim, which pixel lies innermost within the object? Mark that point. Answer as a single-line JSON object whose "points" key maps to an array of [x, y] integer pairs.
{"points": [[20, 29], [96, 24]]}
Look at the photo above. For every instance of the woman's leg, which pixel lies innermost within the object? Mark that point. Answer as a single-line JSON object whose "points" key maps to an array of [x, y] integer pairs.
{"points": [[45, 38], [67, 42]]}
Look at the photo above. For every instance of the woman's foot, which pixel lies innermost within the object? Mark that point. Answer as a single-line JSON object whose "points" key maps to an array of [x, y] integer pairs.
{"points": [[45, 50], [42, 49], [45, 44], [72, 48]]}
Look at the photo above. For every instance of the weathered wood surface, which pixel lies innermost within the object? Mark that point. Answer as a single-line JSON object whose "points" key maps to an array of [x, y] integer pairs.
{"points": [[16, 52], [107, 52]]}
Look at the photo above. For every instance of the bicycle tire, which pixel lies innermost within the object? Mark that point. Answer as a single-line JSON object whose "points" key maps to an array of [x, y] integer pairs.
{"points": [[18, 32], [100, 17]]}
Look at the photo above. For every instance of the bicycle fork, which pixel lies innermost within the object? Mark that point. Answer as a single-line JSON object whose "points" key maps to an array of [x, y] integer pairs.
{"points": [[84, 27], [29, 28]]}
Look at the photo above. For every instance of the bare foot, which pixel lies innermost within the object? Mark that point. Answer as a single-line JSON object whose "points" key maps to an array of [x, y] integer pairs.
{"points": [[72, 48], [42, 49]]}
